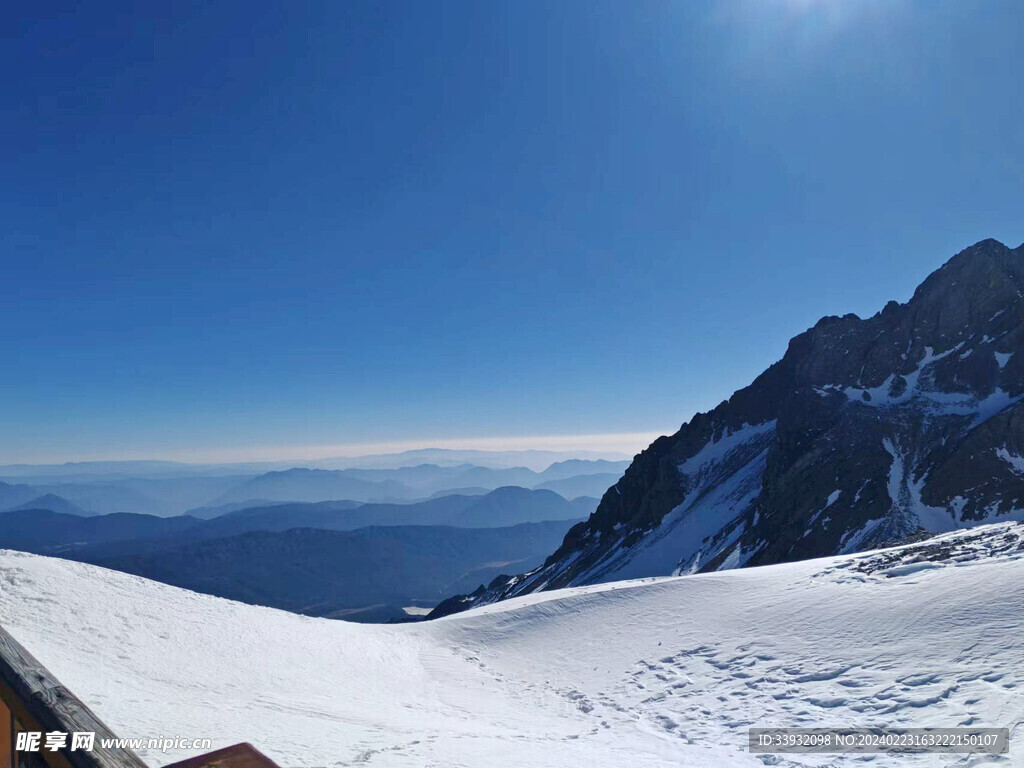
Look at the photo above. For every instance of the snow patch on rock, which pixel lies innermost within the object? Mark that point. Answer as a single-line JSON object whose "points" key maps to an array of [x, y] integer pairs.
{"points": [[905, 494], [1016, 462], [719, 448]]}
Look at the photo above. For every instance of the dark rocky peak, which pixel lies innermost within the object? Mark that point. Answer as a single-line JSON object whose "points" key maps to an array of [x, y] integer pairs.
{"points": [[969, 291], [867, 431], [975, 299], [985, 262]]}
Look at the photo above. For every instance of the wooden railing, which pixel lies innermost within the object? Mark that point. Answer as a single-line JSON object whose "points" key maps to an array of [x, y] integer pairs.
{"points": [[32, 700]]}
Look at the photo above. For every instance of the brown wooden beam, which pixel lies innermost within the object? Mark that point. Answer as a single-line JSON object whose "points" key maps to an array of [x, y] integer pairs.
{"points": [[41, 703], [239, 756]]}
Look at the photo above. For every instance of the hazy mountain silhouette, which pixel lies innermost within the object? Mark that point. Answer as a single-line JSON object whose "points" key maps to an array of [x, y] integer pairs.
{"points": [[53, 503]]}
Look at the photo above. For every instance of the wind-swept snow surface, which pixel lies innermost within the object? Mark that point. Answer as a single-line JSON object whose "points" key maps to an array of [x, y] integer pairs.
{"points": [[665, 672]]}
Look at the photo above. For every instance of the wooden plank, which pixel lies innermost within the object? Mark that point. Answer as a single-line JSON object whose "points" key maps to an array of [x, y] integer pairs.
{"points": [[242, 755], [6, 735], [40, 701]]}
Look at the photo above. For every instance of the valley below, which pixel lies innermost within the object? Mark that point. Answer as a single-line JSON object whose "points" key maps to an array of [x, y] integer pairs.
{"points": [[360, 560]]}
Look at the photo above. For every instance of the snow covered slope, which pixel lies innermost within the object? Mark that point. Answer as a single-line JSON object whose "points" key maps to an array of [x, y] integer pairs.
{"points": [[662, 672]]}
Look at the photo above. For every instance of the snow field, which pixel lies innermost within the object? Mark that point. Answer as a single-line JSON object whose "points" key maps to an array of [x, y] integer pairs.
{"points": [[657, 672]]}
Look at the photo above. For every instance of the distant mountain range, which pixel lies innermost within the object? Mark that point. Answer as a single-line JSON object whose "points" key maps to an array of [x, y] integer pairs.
{"points": [[582, 485], [498, 508], [391, 556], [867, 431], [53, 503], [446, 457], [575, 478], [134, 495], [47, 532], [206, 495], [303, 484], [97, 471]]}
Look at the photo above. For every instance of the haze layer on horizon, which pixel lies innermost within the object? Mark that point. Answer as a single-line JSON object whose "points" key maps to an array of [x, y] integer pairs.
{"points": [[608, 446]]}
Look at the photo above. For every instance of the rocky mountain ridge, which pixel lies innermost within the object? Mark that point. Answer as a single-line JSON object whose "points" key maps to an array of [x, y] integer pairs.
{"points": [[866, 431]]}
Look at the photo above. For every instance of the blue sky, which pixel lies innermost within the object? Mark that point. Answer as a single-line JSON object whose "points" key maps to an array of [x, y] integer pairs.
{"points": [[231, 230]]}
